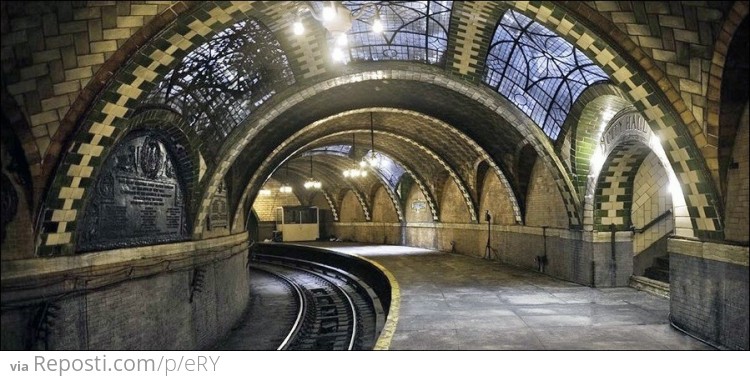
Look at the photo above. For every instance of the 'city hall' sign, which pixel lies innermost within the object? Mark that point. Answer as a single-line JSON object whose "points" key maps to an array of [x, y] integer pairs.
{"points": [[628, 126]]}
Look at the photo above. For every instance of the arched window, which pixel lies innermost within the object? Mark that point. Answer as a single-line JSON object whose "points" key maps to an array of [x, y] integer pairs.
{"points": [[538, 70], [412, 30], [217, 85]]}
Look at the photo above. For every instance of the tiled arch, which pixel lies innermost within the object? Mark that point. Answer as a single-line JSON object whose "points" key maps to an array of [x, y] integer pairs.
{"points": [[614, 189], [651, 93], [127, 83], [250, 189]]}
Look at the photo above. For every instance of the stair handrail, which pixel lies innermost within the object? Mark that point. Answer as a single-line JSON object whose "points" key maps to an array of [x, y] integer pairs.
{"points": [[653, 222]]}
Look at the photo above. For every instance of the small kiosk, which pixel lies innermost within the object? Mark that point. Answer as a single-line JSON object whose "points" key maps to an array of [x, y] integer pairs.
{"points": [[298, 223]]}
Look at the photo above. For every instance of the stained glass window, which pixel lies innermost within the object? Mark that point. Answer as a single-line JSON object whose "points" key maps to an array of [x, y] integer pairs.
{"points": [[389, 169], [538, 70], [412, 30], [217, 85]]}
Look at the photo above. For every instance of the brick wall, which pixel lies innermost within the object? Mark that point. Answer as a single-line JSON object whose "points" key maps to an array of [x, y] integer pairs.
{"points": [[737, 207], [351, 209], [382, 207], [709, 291], [495, 198], [50, 51], [453, 207], [544, 205], [152, 311]]}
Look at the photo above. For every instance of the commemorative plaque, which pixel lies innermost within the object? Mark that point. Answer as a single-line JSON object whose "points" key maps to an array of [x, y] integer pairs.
{"points": [[137, 199]]}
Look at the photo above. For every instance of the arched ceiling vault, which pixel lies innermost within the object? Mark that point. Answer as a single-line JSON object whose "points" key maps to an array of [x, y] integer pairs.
{"points": [[448, 92], [327, 168], [407, 135], [330, 166]]}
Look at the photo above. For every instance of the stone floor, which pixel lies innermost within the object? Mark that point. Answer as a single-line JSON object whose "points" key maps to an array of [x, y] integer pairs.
{"points": [[455, 302]]}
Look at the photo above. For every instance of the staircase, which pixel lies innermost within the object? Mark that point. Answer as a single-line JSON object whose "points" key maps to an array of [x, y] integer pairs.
{"points": [[660, 269]]}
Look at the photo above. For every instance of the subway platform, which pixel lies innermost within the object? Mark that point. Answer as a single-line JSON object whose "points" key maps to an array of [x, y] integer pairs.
{"points": [[456, 302]]}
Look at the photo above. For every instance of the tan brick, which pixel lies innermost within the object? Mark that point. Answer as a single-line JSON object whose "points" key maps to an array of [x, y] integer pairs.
{"points": [[36, 70], [55, 102], [123, 33], [650, 42], [690, 86], [665, 56], [72, 27], [129, 21], [675, 22], [103, 46], [52, 127], [87, 60], [77, 73], [677, 70], [58, 41], [143, 10], [39, 131], [66, 87], [636, 29], [623, 17], [45, 56], [686, 36], [45, 117]]}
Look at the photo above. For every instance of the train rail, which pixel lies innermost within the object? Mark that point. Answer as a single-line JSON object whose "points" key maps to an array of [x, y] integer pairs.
{"points": [[336, 311]]}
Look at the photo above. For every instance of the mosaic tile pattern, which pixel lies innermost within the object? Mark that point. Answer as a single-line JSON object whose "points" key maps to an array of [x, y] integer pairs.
{"points": [[682, 149], [614, 191]]}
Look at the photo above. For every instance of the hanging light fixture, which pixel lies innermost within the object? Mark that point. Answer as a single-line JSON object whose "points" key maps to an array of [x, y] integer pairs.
{"points": [[337, 20], [372, 160], [312, 183], [358, 170], [285, 187]]}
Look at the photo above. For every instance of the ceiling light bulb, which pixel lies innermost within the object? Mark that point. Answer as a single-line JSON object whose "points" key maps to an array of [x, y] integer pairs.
{"points": [[364, 173], [337, 55], [329, 13], [299, 29], [342, 40], [377, 25], [347, 173], [362, 164]]}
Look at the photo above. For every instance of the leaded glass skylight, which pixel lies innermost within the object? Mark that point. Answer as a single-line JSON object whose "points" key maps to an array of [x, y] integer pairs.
{"points": [[537, 70], [389, 169], [217, 85], [412, 30]]}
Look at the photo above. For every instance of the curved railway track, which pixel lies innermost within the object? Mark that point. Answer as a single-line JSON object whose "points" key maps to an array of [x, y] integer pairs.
{"points": [[335, 311]]}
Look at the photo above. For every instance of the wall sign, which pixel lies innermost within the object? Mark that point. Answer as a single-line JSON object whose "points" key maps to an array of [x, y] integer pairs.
{"points": [[628, 126], [137, 199], [218, 216], [418, 205]]}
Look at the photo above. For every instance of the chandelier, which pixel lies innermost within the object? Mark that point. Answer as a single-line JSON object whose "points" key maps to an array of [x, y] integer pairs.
{"points": [[372, 159], [311, 182], [359, 169], [337, 20]]}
